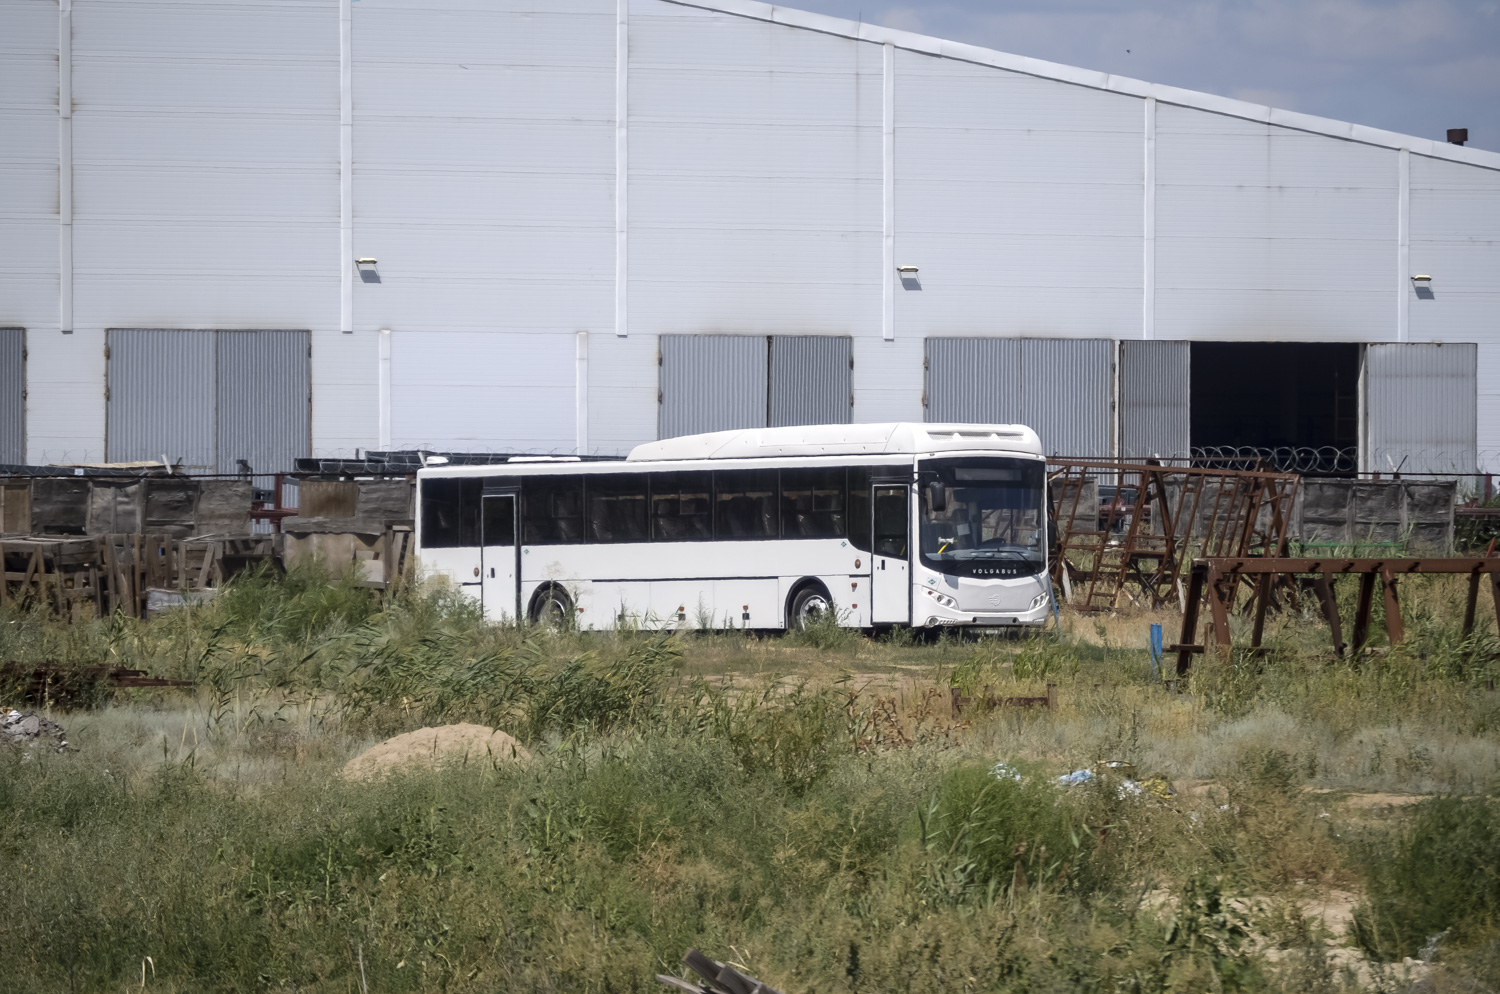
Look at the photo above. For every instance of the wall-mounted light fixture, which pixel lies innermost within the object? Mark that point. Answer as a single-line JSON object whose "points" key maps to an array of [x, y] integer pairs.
{"points": [[1421, 279], [908, 276], [367, 270]]}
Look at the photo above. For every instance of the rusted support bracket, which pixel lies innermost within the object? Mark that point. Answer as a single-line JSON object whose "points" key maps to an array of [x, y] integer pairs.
{"points": [[1323, 584], [1362, 611], [1186, 641], [1393, 629]]}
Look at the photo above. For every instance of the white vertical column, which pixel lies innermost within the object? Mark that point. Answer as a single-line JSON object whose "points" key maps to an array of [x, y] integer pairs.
{"points": [[65, 166], [385, 388], [1403, 244], [581, 392], [888, 196], [622, 172], [1148, 237], [346, 174]]}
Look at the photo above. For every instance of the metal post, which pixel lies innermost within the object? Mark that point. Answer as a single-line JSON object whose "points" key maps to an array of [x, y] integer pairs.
{"points": [[1190, 618], [1323, 584], [1471, 603], [1393, 628], [1362, 611]]}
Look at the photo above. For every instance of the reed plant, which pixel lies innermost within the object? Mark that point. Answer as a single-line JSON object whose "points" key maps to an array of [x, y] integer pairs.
{"points": [[810, 808]]}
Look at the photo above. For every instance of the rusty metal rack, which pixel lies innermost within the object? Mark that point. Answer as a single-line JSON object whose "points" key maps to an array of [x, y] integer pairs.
{"points": [[1157, 517], [53, 683], [1217, 580]]}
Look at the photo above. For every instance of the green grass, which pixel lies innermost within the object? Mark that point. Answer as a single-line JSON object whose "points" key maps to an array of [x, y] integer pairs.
{"points": [[807, 807]]}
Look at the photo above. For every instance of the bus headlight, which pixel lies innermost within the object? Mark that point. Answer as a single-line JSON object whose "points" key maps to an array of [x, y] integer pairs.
{"points": [[1040, 599], [943, 599]]}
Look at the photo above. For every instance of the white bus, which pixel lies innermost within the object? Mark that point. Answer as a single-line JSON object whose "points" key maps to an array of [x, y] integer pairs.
{"points": [[877, 524]]}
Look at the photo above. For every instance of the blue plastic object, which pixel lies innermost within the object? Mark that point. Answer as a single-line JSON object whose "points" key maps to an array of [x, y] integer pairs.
{"points": [[1156, 652]]}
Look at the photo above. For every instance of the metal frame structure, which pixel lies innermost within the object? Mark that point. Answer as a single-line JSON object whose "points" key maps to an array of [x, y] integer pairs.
{"points": [[1219, 577], [1177, 512]]}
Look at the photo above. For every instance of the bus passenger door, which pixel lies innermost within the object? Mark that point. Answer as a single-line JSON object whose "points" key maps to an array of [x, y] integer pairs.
{"points": [[890, 576], [499, 590]]}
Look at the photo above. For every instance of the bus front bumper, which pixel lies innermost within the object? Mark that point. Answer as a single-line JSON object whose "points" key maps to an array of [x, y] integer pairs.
{"points": [[939, 616]]}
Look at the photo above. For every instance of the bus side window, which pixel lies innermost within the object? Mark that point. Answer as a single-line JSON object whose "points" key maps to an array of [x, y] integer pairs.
{"points": [[745, 504], [859, 507], [617, 508], [552, 510], [891, 522], [680, 507], [812, 503], [450, 513]]}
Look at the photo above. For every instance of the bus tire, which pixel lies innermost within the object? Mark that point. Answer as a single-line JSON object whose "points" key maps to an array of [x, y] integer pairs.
{"points": [[551, 606], [809, 601]]}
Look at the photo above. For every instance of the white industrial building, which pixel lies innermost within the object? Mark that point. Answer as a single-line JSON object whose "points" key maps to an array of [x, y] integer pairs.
{"points": [[273, 228]]}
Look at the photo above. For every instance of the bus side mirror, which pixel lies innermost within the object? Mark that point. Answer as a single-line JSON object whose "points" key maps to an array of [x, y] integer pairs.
{"points": [[937, 497]]}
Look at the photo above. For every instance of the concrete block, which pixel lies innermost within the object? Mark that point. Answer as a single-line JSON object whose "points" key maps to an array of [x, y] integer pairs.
{"points": [[223, 507], [384, 500], [327, 498]]}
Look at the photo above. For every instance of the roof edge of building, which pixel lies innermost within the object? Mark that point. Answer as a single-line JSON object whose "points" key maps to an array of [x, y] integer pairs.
{"points": [[928, 45]]}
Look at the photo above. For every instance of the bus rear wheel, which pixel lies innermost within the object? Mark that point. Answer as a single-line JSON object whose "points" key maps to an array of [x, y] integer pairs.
{"points": [[551, 607], [809, 606]]}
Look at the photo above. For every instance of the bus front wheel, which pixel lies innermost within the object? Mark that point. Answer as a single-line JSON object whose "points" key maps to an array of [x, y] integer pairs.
{"points": [[552, 607], [809, 605]]}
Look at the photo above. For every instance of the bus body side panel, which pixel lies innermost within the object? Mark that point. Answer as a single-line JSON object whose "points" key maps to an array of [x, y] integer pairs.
{"points": [[459, 566], [711, 581]]}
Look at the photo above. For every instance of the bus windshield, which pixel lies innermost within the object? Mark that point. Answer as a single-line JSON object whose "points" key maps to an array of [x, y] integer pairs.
{"points": [[982, 517]]}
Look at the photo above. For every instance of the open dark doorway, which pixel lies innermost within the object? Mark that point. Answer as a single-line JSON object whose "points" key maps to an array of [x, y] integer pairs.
{"points": [[1294, 403]]}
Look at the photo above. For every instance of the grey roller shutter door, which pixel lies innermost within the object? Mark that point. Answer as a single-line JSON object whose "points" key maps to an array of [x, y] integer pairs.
{"points": [[810, 380], [974, 379], [1058, 386], [262, 399], [1154, 399], [1421, 403], [162, 391], [1065, 390], [12, 395], [208, 398], [712, 383]]}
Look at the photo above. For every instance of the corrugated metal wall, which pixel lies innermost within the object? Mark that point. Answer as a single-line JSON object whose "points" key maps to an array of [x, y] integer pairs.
{"points": [[1018, 199], [162, 394], [1155, 378], [1269, 232], [1059, 387], [209, 398], [1420, 407], [12, 395], [206, 192], [481, 391], [810, 380], [263, 399], [1451, 203], [712, 383], [755, 175], [484, 180]]}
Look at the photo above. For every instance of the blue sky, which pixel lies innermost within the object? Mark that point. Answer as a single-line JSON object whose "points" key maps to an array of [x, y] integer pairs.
{"points": [[1414, 66]]}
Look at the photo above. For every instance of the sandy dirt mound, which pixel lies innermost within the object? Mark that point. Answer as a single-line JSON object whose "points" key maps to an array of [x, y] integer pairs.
{"points": [[432, 747]]}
